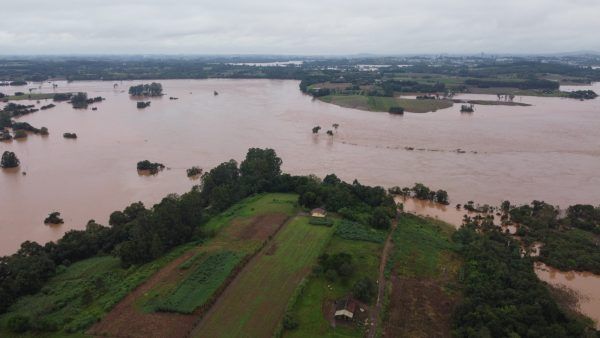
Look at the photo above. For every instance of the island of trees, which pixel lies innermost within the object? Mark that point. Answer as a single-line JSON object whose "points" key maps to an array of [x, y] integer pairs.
{"points": [[142, 104], [151, 167], [54, 218], [70, 135], [194, 171], [9, 160], [152, 89]]}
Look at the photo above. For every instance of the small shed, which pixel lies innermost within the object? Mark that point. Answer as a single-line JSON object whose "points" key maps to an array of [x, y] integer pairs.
{"points": [[318, 212], [345, 308]]}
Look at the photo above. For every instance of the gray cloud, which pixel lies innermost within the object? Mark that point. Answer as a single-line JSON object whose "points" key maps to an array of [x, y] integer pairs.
{"points": [[298, 27]]}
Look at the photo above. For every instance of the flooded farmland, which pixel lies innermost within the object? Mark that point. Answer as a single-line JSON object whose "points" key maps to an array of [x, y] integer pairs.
{"points": [[549, 151]]}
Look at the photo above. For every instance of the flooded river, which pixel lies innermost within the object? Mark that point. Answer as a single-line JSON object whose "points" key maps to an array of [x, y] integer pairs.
{"points": [[549, 151]]}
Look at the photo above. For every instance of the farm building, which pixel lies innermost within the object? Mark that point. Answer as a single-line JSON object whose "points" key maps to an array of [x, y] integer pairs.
{"points": [[318, 212], [345, 309]]}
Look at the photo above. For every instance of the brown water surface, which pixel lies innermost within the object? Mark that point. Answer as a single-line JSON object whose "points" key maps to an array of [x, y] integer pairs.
{"points": [[585, 284], [549, 151]]}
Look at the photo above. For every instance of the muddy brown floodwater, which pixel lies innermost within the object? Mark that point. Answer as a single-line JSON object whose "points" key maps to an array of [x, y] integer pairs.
{"points": [[549, 151], [586, 286]]}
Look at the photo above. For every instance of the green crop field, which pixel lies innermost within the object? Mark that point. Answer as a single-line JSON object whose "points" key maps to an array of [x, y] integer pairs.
{"points": [[420, 246], [383, 104], [308, 311], [201, 284], [225, 227], [83, 292], [254, 304], [355, 231]]}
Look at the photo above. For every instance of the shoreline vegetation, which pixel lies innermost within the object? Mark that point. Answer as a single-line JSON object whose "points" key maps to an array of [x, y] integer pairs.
{"points": [[145, 239]]}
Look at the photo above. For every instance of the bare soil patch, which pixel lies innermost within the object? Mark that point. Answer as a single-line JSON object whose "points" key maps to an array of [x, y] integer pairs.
{"points": [[259, 227], [419, 307], [124, 320]]}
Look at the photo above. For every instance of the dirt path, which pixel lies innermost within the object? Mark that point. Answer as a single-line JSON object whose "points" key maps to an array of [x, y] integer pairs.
{"points": [[374, 314]]}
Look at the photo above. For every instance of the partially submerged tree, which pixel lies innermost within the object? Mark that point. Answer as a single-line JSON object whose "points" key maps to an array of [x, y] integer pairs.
{"points": [[54, 218], [9, 160]]}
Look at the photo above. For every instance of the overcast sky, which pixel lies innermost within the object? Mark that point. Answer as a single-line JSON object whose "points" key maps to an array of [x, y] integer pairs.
{"points": [[298, 27]]}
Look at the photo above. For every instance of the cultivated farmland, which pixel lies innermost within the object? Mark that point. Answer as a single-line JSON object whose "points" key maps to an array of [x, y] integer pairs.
{"points": [[255, 302], [190, 284]]}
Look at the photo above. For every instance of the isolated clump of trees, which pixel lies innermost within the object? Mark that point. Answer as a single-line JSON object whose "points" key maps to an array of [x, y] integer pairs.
{"points": [[79, 100], [422, 192], [70, 135], [54, 218], [396, 110], [9, 160], [142, 104], [193, 171], [152, 167], [152, 89]]}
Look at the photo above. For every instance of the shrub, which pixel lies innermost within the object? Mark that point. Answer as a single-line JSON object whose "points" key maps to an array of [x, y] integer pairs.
{"points": [[320, 221], [364, 289], [18, 324]]}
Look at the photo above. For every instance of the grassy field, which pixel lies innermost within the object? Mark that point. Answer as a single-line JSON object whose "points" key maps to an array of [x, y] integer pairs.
{"points": [[80, 295], [383, 104], [254, 303], [33, 96], [319, 293], [253, 206], [423, 272]]}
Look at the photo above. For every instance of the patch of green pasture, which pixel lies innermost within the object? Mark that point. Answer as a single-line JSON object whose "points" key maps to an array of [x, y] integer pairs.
{"points": [[253, 206], [420, 246], [383, 103], [32, 96]]}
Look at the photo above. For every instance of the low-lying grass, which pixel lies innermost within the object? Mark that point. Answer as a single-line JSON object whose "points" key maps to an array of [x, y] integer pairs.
{"points": [[383, 103], [254, 206], [201, 284], [420, 246], [358, 232]]}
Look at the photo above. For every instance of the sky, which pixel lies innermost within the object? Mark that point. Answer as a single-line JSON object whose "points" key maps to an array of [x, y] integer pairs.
{"points": [[305, 27]]}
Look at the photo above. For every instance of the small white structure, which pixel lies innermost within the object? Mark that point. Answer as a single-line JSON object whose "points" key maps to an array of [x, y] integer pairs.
{"points": [[344, 309], [318, 212]]}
